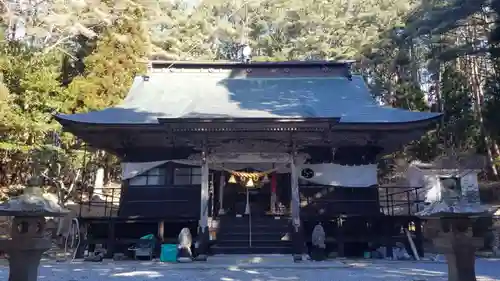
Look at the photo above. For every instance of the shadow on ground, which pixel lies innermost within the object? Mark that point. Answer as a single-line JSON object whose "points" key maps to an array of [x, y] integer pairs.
{"points": [[487, 270]]}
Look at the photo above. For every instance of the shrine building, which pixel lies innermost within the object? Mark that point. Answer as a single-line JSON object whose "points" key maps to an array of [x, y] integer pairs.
{"points": [[251, 156]]}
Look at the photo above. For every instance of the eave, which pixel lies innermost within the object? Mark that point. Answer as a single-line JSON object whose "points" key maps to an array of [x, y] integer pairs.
{"points": [[425, 124], [278, 133], [254, 124]]}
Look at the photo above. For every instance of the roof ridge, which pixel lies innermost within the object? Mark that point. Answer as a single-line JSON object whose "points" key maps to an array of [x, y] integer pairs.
{"points": [[236, 64]]}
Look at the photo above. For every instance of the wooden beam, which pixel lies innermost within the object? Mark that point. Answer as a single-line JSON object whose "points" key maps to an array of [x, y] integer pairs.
{"points": [[248, 124], [112, 140]]}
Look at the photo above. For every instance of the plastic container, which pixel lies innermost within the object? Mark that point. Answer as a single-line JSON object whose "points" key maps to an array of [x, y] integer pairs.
{"points": [[168, 253]]}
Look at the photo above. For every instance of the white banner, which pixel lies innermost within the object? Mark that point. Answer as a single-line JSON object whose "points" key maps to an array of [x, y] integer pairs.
{"points": [[218, 161], [339, 175], [323, 174]]}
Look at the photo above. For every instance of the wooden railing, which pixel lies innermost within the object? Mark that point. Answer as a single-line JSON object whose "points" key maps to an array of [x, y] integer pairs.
{"points": [[104, 203], [392, 200], [400, 200]]}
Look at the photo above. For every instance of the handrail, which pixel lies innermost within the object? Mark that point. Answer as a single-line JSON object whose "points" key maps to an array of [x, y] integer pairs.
{"points": [[400, 192], [390, 203], [108, 202]]}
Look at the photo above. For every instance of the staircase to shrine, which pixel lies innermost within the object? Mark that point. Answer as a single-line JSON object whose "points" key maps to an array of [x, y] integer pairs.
{"points": [[253, 235]]}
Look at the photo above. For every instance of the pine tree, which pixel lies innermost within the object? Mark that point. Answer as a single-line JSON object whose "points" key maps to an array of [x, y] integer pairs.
{"points": [[460, 128], [109, 71]]}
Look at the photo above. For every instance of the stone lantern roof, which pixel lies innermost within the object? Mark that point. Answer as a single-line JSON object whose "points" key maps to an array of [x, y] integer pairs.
{"points": [[31, 204], [462, 160], [452, 204], [454, 209]]}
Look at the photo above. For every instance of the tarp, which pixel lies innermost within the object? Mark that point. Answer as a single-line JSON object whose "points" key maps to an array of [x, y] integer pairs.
{"points": [[216, 95]]}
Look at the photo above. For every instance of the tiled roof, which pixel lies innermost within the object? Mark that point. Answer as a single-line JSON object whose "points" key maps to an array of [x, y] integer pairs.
{"points": [[216, 95]]}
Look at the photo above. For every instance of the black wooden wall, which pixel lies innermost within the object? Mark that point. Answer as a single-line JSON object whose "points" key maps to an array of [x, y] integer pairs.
{"points": [[170, 200], [166, 200], [327, 201]]}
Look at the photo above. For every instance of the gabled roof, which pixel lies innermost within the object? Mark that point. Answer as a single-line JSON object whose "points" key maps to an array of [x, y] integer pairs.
{"points": [[217, 93]]}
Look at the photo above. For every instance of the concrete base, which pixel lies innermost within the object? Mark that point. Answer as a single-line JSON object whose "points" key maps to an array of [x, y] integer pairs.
{"points": [[23, 265]]}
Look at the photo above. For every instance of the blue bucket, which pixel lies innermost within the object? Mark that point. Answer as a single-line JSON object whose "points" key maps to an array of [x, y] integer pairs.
{"points": [[168, 253]]}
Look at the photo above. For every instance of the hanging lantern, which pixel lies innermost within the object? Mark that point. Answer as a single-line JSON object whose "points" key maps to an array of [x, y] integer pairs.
{"points": [[232, 179], [250, 183], [265, 179]]}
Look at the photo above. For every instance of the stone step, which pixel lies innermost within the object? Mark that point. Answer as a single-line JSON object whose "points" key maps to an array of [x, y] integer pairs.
{"points": [[255, 243], [270, 225], [275, 236], [269, 235], [236, 219], [251, 250]]}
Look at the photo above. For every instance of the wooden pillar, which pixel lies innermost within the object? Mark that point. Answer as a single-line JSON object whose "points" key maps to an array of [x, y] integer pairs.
{"points": [[297, 238], [110, 249], [203, 223], [340, 237], [294, 180], [221, 193], [203, 232], [161, 231], [273, 193], [419, 237]]}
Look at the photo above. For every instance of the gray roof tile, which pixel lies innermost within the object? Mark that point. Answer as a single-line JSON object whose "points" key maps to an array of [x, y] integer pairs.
{"points": [[214, 95]]}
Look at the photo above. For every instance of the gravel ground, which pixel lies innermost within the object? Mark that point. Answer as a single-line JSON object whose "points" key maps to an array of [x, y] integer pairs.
{"points": [[259, 269]]}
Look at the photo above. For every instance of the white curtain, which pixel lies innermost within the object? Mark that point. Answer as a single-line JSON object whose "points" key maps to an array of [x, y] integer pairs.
{"points": [[132, 169], [324, 174], [233, 161]]}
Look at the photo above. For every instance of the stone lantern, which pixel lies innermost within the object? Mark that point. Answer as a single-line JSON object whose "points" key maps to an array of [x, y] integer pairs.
{"points": [[27, 240], [451, 220], [453, 209]]}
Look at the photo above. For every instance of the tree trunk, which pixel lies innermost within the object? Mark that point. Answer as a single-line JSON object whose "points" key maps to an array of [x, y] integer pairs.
{"points": [[477, 84], [478, 102]]}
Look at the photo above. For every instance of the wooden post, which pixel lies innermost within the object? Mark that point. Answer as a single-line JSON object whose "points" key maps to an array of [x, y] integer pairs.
{"points": [[221, 193], [297, 238], [161, 231], [204, 193], [419, 237], [273, 193], [340, 237], [110, 250], [295, 203], [204, 197]]}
